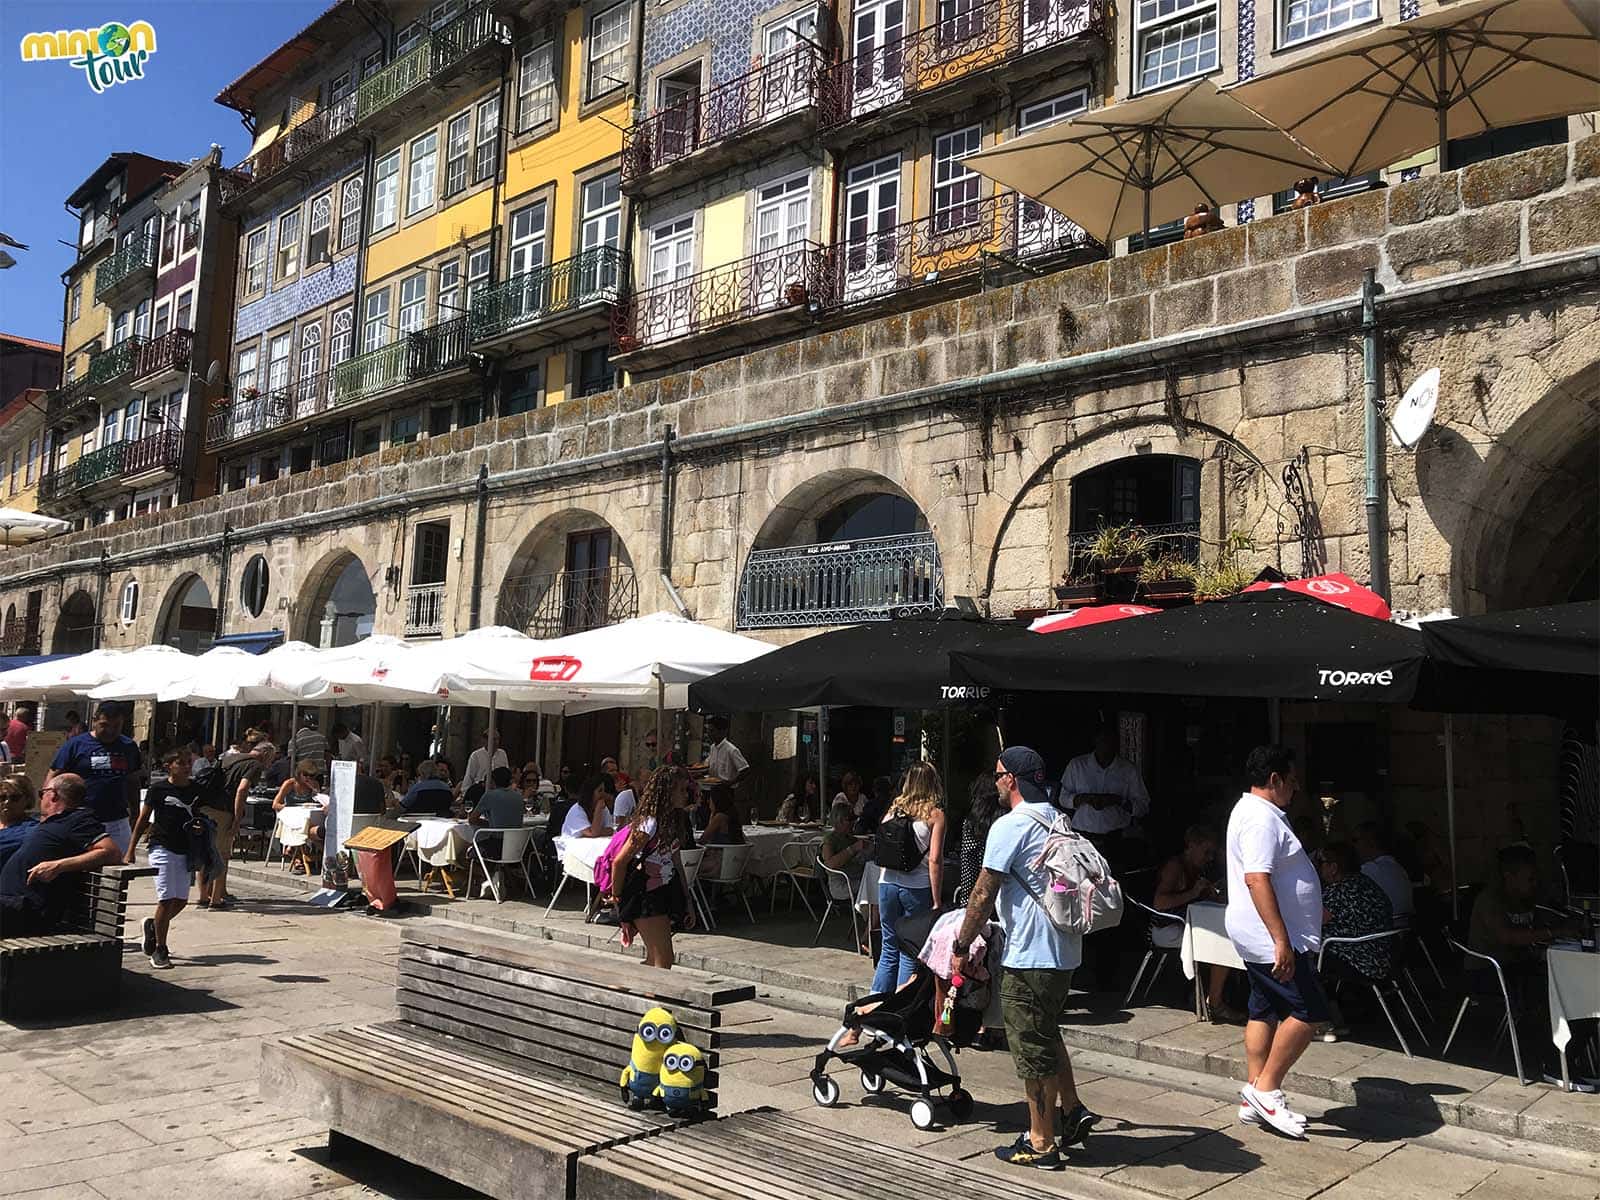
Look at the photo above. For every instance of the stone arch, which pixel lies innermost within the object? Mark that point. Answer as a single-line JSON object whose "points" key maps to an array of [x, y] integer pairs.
{"points": [[572, 571], [340, 579], [75, 625], [800, 517], [187, 618]]}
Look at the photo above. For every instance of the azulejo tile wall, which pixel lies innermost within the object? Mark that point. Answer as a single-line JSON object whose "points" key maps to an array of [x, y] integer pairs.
{"points": [[727, 24]]}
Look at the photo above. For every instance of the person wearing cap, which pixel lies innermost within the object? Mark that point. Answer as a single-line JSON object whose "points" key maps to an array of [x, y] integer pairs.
{"points": [[109, 763], [1039, 960]]}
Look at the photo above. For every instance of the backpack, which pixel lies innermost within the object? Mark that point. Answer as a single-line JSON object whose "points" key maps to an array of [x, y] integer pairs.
{"points": [[605, 867], [896, 847], [1082, 896]]}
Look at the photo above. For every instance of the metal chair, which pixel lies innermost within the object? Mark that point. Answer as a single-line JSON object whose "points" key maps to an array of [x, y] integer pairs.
{"points": [[730, 873], [1162, 954], [514, 847], [838, 891], [691, 860], [1507, 1023], [799, 868], [1579, 882], [571, 868], [1378, 985]]}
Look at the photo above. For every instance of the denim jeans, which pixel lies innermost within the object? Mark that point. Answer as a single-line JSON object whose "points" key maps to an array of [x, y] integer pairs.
{"points": [[895, 962]]}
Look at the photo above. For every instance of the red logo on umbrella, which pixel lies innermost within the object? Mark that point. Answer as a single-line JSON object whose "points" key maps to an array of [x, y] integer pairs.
{"points": [[557, 669], [1091, 615], [1333, 589]]}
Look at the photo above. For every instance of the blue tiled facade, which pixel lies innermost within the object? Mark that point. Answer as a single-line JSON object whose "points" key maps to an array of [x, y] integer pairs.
{"points": [[310, 290], [727, 24]]}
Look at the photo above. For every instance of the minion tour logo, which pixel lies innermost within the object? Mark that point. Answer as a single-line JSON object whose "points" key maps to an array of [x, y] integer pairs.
{"points": [[115, 53]]}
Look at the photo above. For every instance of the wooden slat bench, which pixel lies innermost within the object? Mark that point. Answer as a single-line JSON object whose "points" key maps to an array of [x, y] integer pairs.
{"points": [[502, 1069], [78, 967]]}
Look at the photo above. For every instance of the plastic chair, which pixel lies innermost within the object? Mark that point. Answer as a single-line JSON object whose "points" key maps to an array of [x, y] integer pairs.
{"points": [[1162, 954], [691, 860], [1507, 1023], [571, 868], [799, 868], [514, 847], [287, 838], [1378, 985], [730, 873], [838, 891]]}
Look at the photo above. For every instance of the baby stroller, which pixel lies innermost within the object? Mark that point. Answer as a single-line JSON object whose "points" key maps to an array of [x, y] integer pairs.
{"points": [[894, 1040]]}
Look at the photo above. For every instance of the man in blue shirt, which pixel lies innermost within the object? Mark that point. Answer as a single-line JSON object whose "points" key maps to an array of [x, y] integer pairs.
{"points": [[36, 885], [1039, 960], [108, 762]]}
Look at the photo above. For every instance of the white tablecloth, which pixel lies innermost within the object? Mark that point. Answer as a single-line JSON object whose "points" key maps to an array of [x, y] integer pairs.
{"points": [[292, 820], [767, 843], [443, 841], [1574, 982], [1205, 938]]}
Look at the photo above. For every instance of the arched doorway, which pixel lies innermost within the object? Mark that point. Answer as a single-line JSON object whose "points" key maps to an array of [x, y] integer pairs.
{"points": [[573, 572], [75, 626], [339, 607], [189, 621], [844, 547]]}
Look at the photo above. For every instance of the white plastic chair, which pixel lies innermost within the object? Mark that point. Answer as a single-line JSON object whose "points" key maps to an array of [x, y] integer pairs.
{"points": [[799, 868], [730, 873], [514, 847], [691, 860], [838, 891], [571, 868], [1153, 918], [1378, 985], [290, 836], [1508, 1022]]}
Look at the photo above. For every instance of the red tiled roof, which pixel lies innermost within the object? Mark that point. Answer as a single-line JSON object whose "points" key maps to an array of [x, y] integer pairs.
{"points": [[329, 25], [27, 341]]}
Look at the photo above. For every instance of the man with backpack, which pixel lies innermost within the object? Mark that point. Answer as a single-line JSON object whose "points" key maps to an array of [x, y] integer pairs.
{"points": [[1021, 889]]}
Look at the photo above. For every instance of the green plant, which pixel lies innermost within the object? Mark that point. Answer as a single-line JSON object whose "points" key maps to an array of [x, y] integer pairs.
{"points": [[1113, 543], [1164, 567], [1227, 574]]}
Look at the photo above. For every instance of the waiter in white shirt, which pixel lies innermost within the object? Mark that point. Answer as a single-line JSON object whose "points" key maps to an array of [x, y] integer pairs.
{"points": [[1103, 793], [479, 764]]}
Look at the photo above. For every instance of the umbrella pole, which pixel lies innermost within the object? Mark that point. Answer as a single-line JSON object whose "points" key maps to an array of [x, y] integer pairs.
{"points": [[822, 752], [1442, 109], [494, 697], [1450, 808], [661, 714], [538, 739], [372, 738]]}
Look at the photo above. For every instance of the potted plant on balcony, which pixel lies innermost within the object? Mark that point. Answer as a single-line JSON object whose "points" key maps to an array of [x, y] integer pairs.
{"points": [[1227, 575], [627, 343], [1166, 579], [1120, 549], [796, 294], [1084, 587]]}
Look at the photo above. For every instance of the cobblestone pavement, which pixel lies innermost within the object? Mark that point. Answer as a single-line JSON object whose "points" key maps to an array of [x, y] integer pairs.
{"points": [[159, 1098]]}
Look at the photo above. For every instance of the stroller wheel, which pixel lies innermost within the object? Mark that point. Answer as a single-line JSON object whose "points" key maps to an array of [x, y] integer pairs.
{"points": [[922, 1114], [825, 1091], [960, 1102], [871, 1084]]}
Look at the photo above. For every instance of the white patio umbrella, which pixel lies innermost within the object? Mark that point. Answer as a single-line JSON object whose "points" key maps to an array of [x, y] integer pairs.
{"points": [[17, 527], [63, 679], [139, 674], [353, 674], [228, 675]]}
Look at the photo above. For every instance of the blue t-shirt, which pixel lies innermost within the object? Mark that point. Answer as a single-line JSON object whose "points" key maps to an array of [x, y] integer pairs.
{"points": [[1032, 942], [65, 835], [11, 837], [105, 768]]}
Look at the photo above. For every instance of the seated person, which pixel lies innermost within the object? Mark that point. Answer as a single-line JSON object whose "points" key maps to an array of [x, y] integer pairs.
{"points": [[1383, 868], [803, 804], [841, 849], [869, 814], [622, 807], [429, 796], [594, 819], [16, 800], [724, 827], [37, 884], [1185, 878], [1352, 906], [371, 796]]}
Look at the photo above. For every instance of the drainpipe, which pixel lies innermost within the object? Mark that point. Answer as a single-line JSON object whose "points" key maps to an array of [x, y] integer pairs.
{"points": [[100, 604], [477, 558], [222, 579], [664, 555], [1372, 385]]}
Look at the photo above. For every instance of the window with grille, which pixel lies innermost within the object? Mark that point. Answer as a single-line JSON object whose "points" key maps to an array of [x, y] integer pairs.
{"points": [[424, 172], [484, 156], [536, 87], [288, 244], [609, 34], [375, 329], [1174, 40], [413, 303], [255, 261], [955, 188], [349, 212], [386, 191], [318, 228], [457, 144], [1306, 19]]}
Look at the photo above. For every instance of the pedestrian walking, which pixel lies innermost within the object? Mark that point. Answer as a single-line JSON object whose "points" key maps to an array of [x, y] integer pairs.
{"points": [[647, 872], [1038, 962], [910, 849], [171, 812], [1274, 921], [224, 802], [109, 763]]}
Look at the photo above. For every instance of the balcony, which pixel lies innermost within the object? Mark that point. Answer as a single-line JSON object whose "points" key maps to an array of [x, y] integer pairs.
{"points": [[739, 119], [416, 356], [125, 270], [425, 610], [776, 291], [550, 303], [899, 76], [20, 636], [69, 404], [841, 583], [164, 356], [115, 366], [552, 603], [256, 412], [381, 100], [161, 451]]}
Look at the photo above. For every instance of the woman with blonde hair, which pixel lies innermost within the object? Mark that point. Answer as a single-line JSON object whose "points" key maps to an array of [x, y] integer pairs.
{"points": [[915, 824], [16, 802]]}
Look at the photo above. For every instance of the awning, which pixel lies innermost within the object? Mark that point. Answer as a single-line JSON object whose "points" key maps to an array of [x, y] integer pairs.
{"points": [[254, 643], [1536, 660], [10, 662]]}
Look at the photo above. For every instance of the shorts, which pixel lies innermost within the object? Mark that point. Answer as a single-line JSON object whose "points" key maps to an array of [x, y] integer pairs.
{"points": [[639, 901], [1033, 1001], [172, 873], [120, 832], [1301, 997]]}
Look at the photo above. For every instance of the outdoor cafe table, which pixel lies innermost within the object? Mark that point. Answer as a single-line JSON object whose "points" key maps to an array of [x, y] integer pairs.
{"points": [[767, 843], [1574, 982], [1205, 940], [444, 841]]}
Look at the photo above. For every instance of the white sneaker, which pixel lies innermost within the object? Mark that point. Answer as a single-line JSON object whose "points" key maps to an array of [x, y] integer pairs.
{"points": [[1247, 1115], [1274, 1111]]}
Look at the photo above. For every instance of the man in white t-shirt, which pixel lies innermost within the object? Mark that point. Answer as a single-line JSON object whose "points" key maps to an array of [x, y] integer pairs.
{"points": [[1104, 791], [724, 760], [1384, 869], [1274, 921]]}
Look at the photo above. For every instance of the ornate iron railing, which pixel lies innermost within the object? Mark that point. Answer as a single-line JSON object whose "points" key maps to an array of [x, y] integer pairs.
{"points": [[424, 609], [138, 255], [592, 276], [169, 352], [957, 240], [20, 636], [104, 463], [251, 413], [153, 452], [786, 277], [113, 363], [553, 603], [65, 404], [840, 583], [785, 84], [414, 356], [904, 64], [1175, 537]]}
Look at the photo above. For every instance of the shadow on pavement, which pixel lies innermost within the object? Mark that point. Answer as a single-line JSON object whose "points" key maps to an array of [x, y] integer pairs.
{"points": [[1373, 1114], [383, 1173], [142, 996]]}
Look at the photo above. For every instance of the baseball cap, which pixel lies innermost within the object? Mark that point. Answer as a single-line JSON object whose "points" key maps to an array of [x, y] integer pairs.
{"points": [[1027, 768]]}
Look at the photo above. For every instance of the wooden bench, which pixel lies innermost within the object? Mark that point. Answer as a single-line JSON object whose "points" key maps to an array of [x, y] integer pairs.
{"points": [[502, 1069], [78, 967]]}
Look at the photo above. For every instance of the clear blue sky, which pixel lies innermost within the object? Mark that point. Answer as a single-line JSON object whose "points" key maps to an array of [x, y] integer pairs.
{"points": [[54, 130]]}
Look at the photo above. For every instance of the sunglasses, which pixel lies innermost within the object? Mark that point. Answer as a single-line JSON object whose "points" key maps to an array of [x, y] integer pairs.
{"points": [[999, 775]]}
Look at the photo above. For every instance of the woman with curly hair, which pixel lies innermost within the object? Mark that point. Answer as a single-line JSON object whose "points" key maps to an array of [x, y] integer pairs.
{"points": [[652, 892]]}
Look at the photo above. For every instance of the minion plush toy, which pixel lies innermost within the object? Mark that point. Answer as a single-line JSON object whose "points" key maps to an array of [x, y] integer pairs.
{"points": [[657, 1030], [682, 1087]]}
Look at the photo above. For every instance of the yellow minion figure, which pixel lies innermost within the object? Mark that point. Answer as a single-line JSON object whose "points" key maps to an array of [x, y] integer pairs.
{"points": [[657, 1030], [683, 1076]]}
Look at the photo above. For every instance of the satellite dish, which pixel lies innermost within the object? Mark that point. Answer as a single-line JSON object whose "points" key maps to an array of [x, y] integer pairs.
{"points": [[1414, 413], [214, 373]]}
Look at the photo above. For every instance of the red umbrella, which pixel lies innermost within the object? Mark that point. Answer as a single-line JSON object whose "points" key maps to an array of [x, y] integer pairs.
{"points": [[1334, 589], [1095, 614]]}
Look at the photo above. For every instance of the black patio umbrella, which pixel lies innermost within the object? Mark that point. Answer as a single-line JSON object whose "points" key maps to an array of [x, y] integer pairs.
{"points": [[1259, 644], [1530, 660], [903, 663]]}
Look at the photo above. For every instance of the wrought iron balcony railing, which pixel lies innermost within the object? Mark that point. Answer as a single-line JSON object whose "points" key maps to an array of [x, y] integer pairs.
{"points": [[169, 352], [137, 256], [592, 276], [841, 583], [104, 463], [115, 362], [898, 64], [20, 636], [783, 85], [67, 404], [424, 609], [253, 412], [553, 603], [786, 277], [153, 452], [1179, 538], [414, 356]]}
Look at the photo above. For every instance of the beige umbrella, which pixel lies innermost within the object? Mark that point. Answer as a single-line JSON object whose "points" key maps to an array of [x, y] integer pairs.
{"points": [[1115, 170], [1369, 101]]}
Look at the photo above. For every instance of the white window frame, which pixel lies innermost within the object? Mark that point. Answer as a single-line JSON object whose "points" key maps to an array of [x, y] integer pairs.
{"points": [[340, 86], [457, 152], [279, 364], [183, 309], [163, 321], [375, 321], [386, 192], [372, 64], [520, 247], [130, 420], [536, 86], [319, 222], [1181, 15], [310, 350], [479, 264], [244, 373], [1052, 110], [956, 189], [141, 319], [1349, 12], [409, 38], [110, 426], [422, 173], [602, 224], [77, 300], [287, 262], [671, 237], [413, 313], [349, 212], [448, 305], [341, 338], [255, 261], [486, 141], [128, 603], [607, 63]]}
